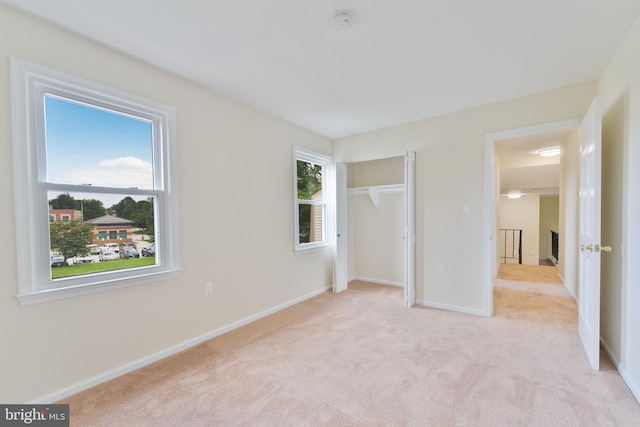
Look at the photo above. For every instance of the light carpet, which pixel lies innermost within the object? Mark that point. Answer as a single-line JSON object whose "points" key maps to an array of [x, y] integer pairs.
{"points": [[529, 273], [359, 358]]}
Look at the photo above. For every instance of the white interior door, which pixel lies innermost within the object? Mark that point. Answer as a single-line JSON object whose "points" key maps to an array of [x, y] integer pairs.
{"points": [[410, 229], [589, 258], [340, 271]]}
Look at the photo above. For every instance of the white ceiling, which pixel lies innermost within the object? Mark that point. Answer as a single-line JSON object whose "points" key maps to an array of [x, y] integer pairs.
{"points": [[402, 60], [543, 180], [522, 169]]}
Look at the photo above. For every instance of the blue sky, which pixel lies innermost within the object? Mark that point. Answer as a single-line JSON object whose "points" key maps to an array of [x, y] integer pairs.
{"points": [[90, 146]]}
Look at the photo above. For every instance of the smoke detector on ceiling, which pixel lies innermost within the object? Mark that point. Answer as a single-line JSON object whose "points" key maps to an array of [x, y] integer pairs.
{"points": [[342, 20]]}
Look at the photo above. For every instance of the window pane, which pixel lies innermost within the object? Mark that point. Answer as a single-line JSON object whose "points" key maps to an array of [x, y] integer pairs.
{"points": [[310, 221], [99, 227], [71, 136], [309, 181], [89, 146]]}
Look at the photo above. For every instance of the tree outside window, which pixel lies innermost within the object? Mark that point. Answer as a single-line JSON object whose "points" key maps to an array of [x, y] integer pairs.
{"points": [[310, 215], [310, 199]]}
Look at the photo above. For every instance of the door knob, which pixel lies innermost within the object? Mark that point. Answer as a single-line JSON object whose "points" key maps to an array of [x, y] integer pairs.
{"points": [[595, 248]]}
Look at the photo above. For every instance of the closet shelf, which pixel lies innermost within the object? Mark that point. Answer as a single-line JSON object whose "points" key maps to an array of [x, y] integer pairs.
{"points": [[374, 191]]}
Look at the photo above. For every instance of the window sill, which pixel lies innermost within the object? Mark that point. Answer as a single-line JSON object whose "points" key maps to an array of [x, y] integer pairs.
{"points": [[40, 296], [315, 248]]}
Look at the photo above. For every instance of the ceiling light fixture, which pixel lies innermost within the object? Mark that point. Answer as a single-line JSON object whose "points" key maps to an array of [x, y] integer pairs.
{"points": [[342, 20], [549, 152], [514, 195]]}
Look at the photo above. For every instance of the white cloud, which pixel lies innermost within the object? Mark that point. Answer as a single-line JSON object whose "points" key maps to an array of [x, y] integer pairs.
{"points": [[123, 172], [130, 163]]}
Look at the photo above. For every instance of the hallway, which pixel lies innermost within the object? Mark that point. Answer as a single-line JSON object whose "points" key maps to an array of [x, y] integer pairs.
{"points": [[528, 273]]}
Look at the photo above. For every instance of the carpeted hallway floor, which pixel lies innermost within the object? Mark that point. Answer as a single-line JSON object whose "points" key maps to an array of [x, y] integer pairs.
{"points": [[360, 358], [529, 273]]}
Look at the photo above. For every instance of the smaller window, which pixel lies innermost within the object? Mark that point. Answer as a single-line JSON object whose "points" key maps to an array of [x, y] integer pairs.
{"points": [[51, 218], [123, 234], [113, 235], [312, 173], [102, 235], [65, 218]]}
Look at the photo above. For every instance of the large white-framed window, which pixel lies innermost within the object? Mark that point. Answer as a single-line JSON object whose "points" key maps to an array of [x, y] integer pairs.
{"points": [[313, 200], [105, 157]]}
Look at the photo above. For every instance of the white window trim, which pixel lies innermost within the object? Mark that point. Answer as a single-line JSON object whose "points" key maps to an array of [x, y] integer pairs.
{"points": [[328, 196], [30, 194]]}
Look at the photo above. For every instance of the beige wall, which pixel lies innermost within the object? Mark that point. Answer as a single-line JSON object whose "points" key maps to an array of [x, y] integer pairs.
{"points": [[549, 221], [523, 214], [569, 212], [224, 151], [376, 172], [377, 233], [376, 247], [619, 89], [450, 173]]}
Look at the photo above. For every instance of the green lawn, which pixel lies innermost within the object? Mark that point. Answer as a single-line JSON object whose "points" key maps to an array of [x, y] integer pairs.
{"points": [[95, 267]]}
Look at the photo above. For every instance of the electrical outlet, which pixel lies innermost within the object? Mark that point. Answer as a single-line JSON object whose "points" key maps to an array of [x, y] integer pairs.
{"points": [[208, 288], [440, 269]]}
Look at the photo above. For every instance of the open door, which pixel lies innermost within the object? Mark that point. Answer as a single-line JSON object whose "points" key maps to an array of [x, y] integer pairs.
{"points": [[340, 272], [589, 258], [410, 228]]}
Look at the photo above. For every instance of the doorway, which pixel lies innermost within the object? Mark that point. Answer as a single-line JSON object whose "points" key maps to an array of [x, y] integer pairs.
{"points": [[581, 176], [515, 154], [377, 239], [528, 216]]}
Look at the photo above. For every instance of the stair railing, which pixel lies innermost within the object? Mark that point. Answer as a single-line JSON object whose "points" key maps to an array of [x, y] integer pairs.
{"points": [[511, 242]]}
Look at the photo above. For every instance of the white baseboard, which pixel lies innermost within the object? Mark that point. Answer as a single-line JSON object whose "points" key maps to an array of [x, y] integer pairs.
{"points": [[378, 281], [465, 310], [607, 349], [569, 291], [147, 360], [633, 387]]}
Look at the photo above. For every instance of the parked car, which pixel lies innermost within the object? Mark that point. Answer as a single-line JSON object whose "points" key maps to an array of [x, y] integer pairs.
{"points": [[129, 252], [57, 260], [109, 256], [148, 251], [113, 247], [83, 259], [129, 245], [94, 249]]}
